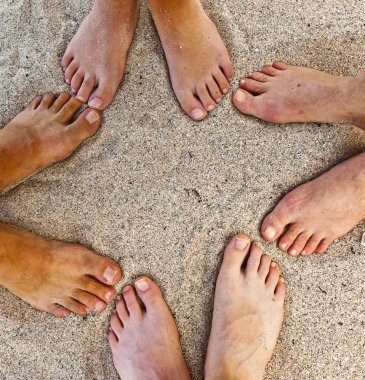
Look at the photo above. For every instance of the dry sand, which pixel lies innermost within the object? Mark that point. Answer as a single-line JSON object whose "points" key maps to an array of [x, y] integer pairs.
{"points": [[161, 194]]}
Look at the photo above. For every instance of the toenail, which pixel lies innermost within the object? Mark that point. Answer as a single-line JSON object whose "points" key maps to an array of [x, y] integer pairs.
{"points": [[242, 82], [211, 107], [293, 252], [92, 117], [218, 100], [97, 103], [240, 243], [283, 245], [109, 296], [126, 289], [281, 279], [99, 306], [273, 265], [81, 98], [197, 113], [225, 90], [68, 81], [109, 273], [240, 96], [270, 232], [142, 285]]}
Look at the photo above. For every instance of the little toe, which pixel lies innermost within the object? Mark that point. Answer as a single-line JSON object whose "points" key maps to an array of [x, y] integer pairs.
{"points": [[275, 222], [253, 86], [280, 290], [113, 340], [272, 278], [47, 101], [287, 239], [260, 77], [311, 245], [264, 267], [205, 98], [86, 88], [101, 291], [122, 311], [70, 71], [323, 246], [116, 324], [103, 93], [59, 311], [254, 259], [33, 105], [149, 293], [246, 102], [221, 81], [214, 91], [131, 301], [297, 247], [68, 110], [280, 65], [76, 81], [61, 100], [191, 105], [269, 70], [74, 306], [235, 254], [66, 59], [92, 302]]}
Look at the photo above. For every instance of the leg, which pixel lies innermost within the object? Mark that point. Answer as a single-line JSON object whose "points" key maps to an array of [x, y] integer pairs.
{"points": [[95, 59], [144, 340], [199, 64], [248, 313], [311, 216], [283, 93]]}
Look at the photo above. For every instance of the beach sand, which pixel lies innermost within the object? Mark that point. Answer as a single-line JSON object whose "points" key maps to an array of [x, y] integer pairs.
{"points": [[162, 194]]}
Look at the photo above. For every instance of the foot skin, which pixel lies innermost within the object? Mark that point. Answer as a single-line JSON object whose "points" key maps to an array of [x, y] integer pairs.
{"points": [[55, 277], [199, 64], [283, 93], [248, 313], [95, 59], [144, 340], [311, 216], [45, 132]]}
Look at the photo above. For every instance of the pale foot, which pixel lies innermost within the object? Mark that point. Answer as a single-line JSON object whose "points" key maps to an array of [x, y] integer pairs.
{"points": [[55, 277], [199, 64], [45, 132], [248, 313], [144, 340], [283, 93], [95, 59], [311, 216]]}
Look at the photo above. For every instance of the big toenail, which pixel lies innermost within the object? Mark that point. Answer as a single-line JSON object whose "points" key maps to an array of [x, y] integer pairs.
{"points": [[92, 117], [97, 103], [99, 306], [109, 273], [142, 285], [109, 296], [240, 243], [211, 107], [197, 113], [270, 232], [240, 96]]}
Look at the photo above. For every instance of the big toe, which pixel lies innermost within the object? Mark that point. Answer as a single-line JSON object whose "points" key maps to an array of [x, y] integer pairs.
{"points": [[104, 269], [149, 293], [274, 224], [247, 103], [104, 93], [190, 103], [235, 254]]}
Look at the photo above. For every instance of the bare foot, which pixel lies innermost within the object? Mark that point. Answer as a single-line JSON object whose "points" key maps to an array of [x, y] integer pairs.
{"points": [[144, 340], [311, 216], [55, 277], [248, 313], [95, 59], [45, 132], [199, 64], [284, 93]]}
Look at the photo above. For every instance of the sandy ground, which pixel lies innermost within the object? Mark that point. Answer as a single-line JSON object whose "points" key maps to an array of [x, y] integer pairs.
{"points": [[161, 194]]}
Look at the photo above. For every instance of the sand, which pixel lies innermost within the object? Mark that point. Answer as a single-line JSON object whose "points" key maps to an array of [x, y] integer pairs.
{"points": [[161, 194]]}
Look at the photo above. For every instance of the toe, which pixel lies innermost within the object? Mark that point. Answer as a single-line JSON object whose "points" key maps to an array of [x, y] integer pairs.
{"points": [[33, 105], [254, 259], [264, 266], [260, 77], [253, 86], [275, 223], [297, 247], [205, 98], [122, 311], [103, 94], [92, 302], [68, 110], [70, 71], [289, 236], [131, 301], [59, 311], [280, 290], [104, 269], [311, 245], [323, 246], [149, 293], [269, 70], [235, 254], [246, 102], [76, 81], [74, 306], [116, 324], [86, 88], [66, 59], [222, 81], [61, 100], [113, 340], [214, 91], [47, 101], [191, 105], [272, 278], [227, 69], [101, 291], [280, 65]]}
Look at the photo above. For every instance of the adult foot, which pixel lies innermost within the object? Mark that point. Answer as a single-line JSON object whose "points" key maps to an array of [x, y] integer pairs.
{"points": [[283, 93], [311, 216], [248, 313], [95, 59], [55, 277], [45, 132], [199, 64], [144, 339]]}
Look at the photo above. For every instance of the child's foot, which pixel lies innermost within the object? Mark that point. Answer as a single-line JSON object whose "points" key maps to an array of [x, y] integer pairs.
{"points": [[199, 64], [144, 339], [55, 277], [284, 93], [311, 216], [95, 59], [45, 132], [248, 313]]}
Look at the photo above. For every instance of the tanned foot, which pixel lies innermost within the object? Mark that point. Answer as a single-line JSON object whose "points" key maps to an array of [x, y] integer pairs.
{"points": [[144, 339], [199, 64], [283, 93], [45, 132], [248, 313], [95, 59], [311, 216], [55, 277]]}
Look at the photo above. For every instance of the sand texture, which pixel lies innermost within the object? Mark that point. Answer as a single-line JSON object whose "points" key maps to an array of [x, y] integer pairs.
{"points": [[161, 194]]}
